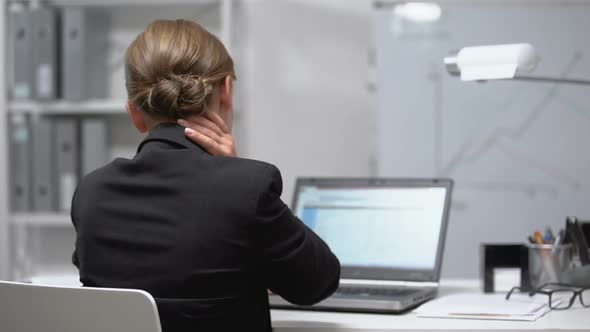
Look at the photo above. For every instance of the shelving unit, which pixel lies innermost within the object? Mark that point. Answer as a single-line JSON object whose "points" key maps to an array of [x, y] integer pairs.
{"points": [[60, 107], [130, 18], [115, 3], [5, 259], [41, 219], [226, 11]]}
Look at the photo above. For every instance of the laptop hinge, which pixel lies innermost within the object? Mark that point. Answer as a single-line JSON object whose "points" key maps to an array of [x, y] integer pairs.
{"points": [[361, 282]]}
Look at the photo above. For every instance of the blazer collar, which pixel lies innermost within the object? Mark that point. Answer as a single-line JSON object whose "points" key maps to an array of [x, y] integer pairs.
{"points": [[170, 133]]}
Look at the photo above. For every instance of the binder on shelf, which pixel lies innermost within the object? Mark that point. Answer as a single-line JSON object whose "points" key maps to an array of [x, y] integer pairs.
{"points": [[45, 46], [83, 54], [43, 164], [22, 38], [66, 161], [19, 133], [94, 142]]}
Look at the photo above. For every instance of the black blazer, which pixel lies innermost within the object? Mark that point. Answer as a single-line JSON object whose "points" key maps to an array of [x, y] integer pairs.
{"points": [[205, 235]]}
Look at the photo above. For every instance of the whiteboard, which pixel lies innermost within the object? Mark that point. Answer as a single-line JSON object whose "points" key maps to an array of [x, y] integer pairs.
{"points": [[517, 150]]}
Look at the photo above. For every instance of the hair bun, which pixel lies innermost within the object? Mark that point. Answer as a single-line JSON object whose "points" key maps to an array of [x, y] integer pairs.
{"points": [[178, 95]]}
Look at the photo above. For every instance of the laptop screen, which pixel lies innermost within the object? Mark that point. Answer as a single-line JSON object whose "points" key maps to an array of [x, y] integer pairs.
{"points": [[377, 225]]}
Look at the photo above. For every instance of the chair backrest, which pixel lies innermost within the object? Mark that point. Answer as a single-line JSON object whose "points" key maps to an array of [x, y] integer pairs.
{"points": [[36, 308]]}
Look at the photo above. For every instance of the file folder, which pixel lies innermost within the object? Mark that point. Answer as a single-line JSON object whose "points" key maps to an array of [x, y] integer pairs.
{"points": [[94, 142], [45, 46], [43, 164], [21, 30], [83, 53], [67, 148], [73, 35], [19, 133]]}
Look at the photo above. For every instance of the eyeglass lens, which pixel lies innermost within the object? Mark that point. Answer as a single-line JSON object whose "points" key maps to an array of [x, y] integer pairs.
{"points": [[585, 297], [561, 299]]}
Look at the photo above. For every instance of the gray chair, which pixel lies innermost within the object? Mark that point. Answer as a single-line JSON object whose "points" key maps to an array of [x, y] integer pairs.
{"points": [[37, 308]]}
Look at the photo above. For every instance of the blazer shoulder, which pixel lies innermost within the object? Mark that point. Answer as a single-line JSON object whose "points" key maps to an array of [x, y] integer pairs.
{"points": [[94, 176], [265, 175], [249, 164], [85, 192]]}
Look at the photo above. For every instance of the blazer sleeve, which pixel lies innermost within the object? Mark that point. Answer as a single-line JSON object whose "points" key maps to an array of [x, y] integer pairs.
{"points": [[298, 265]]}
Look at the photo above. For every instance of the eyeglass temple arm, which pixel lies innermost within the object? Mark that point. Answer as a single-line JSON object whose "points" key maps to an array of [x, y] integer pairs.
{"points": [[512, 291]]}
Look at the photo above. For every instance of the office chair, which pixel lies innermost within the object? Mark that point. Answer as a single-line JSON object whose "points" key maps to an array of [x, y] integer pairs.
{"points": [[37, 308]]}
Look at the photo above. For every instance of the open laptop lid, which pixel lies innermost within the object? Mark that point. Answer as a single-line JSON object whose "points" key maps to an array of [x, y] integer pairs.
{"points": [[379, 228]]}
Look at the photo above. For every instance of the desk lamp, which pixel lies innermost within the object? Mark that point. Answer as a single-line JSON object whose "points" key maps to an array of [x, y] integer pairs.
{"points": [[500, 62]]}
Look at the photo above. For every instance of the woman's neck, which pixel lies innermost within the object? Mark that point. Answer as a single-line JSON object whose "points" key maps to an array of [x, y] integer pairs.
{"points": [[152, 121]]}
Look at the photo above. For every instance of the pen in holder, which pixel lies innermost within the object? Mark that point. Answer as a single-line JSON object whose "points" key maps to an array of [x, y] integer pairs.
{"points": [[548, 263]]}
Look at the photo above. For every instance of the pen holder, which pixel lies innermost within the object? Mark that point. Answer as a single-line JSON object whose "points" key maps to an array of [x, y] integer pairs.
{"points": [[549, 264]]}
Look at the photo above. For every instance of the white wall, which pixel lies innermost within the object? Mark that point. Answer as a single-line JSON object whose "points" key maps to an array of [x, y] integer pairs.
{"points": [[302, 70]]}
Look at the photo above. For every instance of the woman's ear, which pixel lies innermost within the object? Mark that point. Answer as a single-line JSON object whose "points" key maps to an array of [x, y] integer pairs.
{"points": [[225, 102], [136, 116], [225, 95]]}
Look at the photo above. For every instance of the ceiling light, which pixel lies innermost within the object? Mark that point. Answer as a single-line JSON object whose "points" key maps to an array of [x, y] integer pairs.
{"points": [[422, 12]]}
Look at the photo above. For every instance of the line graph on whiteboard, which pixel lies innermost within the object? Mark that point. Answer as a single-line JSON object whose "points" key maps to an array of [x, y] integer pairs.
{"points": [[505, 139]]}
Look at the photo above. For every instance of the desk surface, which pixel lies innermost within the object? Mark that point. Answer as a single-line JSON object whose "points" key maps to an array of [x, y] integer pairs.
{"points": [[576, 318]]}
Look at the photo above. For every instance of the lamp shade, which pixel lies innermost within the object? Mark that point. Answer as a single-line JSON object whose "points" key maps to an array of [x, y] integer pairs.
{"points": [[492, 62]]}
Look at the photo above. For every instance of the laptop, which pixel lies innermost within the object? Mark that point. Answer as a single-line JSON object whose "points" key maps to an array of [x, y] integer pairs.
{"points": [[388, 234]]}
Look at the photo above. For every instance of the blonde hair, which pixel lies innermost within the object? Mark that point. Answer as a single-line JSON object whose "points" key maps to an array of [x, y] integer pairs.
{"points": [[172, 67]]}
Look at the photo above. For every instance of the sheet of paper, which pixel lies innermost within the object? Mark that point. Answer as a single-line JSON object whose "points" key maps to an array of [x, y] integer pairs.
{"points": [[486, 306]]}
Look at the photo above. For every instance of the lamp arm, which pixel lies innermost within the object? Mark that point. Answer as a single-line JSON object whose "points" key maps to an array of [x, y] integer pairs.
{"points": [[541, 79]]}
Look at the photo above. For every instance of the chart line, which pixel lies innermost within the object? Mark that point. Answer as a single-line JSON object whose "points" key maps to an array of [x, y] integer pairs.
{"points": [[473, 150]]}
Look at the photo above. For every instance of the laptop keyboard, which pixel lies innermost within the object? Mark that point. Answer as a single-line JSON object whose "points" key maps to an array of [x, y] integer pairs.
{"points": [[373, 292]]}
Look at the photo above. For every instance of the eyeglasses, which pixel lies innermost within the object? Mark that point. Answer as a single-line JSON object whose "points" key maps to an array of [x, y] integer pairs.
{"points": [[561, 296]]}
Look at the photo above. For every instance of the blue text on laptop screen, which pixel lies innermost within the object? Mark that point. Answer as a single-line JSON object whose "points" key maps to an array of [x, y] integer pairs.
{"points": [[376, 227]]}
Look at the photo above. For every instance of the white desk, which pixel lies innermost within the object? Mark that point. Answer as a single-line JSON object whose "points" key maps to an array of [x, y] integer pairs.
{"points": [[576, 318]]}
